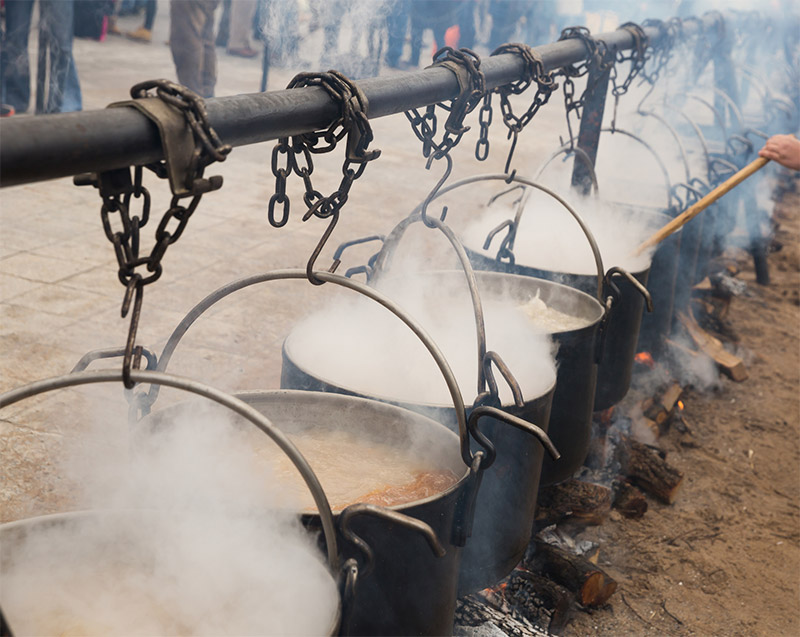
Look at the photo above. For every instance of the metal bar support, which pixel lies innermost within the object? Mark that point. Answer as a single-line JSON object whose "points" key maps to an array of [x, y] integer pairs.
{"points": [[591, 125], [65, 144]]}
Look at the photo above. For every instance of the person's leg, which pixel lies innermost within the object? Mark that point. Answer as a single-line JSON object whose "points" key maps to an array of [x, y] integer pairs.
{"points": [[64, 91], [417, 29], [209, 71], [150, 14], [466, 25], [396, 25], [145, 32], [187, 21], [15, 71], [241, 26]]}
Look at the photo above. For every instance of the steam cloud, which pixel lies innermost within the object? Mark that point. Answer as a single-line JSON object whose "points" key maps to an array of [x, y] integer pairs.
{"points": [[184, 541]]}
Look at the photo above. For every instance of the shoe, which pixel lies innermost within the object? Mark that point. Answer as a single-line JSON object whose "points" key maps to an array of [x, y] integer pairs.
{"points": [[245, 52], [140, 35], [6, 110], [113, 29]]}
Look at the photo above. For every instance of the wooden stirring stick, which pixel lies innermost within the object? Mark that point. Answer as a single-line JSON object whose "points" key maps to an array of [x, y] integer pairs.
{"points": [[692, 211]]}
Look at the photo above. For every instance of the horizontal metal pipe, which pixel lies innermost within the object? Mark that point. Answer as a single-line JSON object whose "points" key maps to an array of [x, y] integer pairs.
{"points": [[51, 146]]}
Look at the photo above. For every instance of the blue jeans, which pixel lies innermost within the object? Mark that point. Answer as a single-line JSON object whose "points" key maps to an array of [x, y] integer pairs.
{"points": [[63, 92]]}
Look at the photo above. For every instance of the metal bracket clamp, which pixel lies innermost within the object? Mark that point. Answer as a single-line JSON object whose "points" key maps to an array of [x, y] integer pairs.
{"points": [[177, 140]]}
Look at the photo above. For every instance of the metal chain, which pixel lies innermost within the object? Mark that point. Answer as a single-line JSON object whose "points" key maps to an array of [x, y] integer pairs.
{"points": [[465, 64], [637, 57], [118, 190], [663, 54], [297, 152], [598, 60], [533, 72]]}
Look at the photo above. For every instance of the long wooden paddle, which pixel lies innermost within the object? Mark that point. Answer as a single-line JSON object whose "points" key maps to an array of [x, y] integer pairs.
{"points": [[692, 211]]}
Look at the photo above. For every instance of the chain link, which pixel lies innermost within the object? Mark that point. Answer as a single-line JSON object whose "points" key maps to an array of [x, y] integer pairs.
{"points": [[533, 72], [637, 57], [298, 151], [118, 191], [465, 64], [598, 60]]}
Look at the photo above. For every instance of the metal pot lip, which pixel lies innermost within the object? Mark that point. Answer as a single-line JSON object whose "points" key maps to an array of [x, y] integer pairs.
{"points": [[371, 403], [525, 279], [379, 398], [51, 519]]}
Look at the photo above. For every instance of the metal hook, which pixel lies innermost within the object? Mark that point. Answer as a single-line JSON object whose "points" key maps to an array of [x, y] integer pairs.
{"points": [[314, 255], [132, 354], [432, 194], [493, 357], [512, 133]]}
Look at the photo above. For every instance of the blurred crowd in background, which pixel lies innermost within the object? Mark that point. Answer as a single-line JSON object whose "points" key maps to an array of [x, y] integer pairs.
{"points": [[359, 37]]}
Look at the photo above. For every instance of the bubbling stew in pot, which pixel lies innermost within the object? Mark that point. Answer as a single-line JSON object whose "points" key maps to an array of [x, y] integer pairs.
{"points": [[352, 469]]}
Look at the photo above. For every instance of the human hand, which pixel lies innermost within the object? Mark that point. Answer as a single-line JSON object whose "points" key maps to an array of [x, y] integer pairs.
{"points": [[784, 149]]}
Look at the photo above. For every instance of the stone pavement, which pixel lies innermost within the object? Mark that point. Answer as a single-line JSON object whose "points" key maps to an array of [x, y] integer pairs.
{"points": [[60, 297]]}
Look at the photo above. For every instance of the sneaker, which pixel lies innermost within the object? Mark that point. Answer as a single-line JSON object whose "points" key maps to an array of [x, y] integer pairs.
{"points": [[6, 110], [140, 35], [113, 29], [245, 52]]}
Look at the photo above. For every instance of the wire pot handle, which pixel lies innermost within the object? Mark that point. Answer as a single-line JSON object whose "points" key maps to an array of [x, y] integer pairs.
{"points": [[382, 263], [158, 378], [513, 224], [342, 281]]}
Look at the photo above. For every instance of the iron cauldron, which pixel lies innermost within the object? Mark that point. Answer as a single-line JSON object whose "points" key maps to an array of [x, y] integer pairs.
{"points": [[124, 571], [623, 293], [506, 501], [403, 586]]}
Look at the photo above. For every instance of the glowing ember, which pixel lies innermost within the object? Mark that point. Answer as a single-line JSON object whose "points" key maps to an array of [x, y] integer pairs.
{"points": [[606, 416], [680, 405], [644, 358]]}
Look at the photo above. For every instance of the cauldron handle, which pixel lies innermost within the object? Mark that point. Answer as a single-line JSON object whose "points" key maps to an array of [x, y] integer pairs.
{"points": [[350, 570], [571, 148], [157, 378], [147, 399], [383, 258], [395, 517], [533, 184], [625, 133]]}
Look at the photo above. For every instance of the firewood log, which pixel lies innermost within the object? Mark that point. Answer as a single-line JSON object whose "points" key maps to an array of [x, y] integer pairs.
{"points": [[582, 502], [555, 598], [591, 585], [630, 502], [648, 470]]}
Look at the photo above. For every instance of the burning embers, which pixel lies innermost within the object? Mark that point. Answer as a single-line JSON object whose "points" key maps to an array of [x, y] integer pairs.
{"points": [[541, 592]]}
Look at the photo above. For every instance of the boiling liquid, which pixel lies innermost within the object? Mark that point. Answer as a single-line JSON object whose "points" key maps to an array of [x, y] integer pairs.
{"points": [[352, 469], [550, 320]]}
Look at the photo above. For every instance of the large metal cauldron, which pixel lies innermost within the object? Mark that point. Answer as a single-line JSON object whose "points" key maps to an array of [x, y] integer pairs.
{"points": [[409, 589], [624, 295], [110, 530], [110, 555], [573, 399], [628, 291], [507, 499]]}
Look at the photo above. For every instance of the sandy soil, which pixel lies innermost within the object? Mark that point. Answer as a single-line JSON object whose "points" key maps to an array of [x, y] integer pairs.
{"points": [[724, 559]]}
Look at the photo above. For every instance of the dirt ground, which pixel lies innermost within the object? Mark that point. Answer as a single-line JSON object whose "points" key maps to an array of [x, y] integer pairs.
{"points": [[724, 559]]}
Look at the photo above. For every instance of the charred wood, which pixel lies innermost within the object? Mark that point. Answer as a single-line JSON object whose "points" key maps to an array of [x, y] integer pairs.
{"points": [[590, 584], [630, 502], [540, 599], [648, 470], [470, 611], [582, 502]]}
